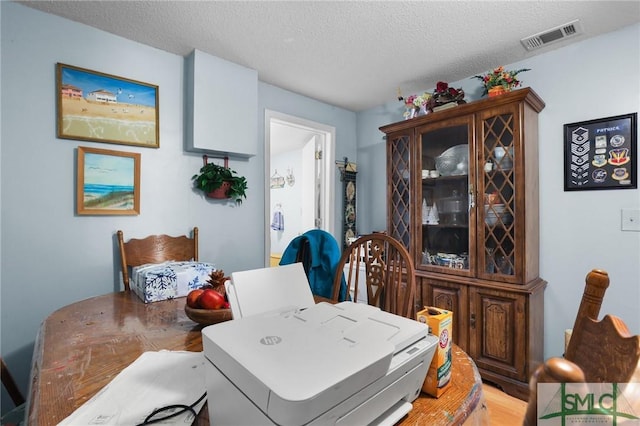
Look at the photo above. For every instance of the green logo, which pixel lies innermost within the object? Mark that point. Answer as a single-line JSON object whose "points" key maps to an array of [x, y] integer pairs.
{"points": [[586, 403]]}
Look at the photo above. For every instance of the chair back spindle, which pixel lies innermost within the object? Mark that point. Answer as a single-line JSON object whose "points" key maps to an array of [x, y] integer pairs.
{"points": [[382, 267]]}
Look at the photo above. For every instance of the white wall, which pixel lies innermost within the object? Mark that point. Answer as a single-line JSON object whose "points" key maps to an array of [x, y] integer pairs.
{"points": [[580, 230], [50, 257], [289, 198]]}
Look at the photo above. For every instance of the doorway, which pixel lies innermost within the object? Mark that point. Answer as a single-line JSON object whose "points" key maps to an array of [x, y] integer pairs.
{"points": [[299, 180]]}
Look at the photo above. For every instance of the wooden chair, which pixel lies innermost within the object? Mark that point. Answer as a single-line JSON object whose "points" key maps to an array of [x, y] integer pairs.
{"points": [[598, 351], [15, 416], [155, 249], [10, 385], [384, 267]]}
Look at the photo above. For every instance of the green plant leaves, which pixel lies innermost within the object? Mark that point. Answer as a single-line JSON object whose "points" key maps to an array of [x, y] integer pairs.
{"points": [[212, 176]]}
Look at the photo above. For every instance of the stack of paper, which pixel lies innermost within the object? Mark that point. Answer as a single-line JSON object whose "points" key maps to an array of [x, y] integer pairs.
{"points": [[154, 380]]}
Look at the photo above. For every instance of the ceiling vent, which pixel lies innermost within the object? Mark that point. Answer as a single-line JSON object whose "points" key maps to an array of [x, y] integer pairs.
{"points": [[553, 35]]}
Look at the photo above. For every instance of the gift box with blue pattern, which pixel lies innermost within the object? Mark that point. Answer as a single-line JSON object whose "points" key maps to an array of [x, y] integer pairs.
{"points": [[155, 282]]}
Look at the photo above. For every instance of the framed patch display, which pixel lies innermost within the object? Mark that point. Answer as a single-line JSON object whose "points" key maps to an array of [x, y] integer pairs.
{"points": [[601, 153]]}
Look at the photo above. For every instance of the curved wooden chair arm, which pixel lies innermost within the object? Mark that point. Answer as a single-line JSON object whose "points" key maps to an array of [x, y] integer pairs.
{"points": [[553, 370]]}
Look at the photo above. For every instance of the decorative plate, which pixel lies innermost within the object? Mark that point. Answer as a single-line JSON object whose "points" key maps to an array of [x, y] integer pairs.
{"points": [[348, 236], [351, 190], [350, 214]]}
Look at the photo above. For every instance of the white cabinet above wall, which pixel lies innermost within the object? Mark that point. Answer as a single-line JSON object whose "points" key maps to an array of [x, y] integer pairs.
{"points": [[221, 106]]}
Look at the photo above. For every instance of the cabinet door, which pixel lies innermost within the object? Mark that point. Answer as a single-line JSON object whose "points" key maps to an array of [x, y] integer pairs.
{"points": [[452, 297], [497, 321], [501, 195], [400, 196], [445, 205]]}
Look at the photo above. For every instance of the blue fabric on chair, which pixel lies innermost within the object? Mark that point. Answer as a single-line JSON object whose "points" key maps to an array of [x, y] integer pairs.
{"points": [[319, 253]]}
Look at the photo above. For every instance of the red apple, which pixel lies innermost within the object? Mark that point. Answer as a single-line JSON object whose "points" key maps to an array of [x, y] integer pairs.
{"points": [[192, 297], [210, 299]]}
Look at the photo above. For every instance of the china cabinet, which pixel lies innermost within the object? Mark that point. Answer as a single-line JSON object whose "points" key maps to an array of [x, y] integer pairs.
{"points": [[463, 198]]}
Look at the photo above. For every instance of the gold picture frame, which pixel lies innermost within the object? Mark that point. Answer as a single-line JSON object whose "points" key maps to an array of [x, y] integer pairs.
{"points": [[98, 107], [108, 182]]}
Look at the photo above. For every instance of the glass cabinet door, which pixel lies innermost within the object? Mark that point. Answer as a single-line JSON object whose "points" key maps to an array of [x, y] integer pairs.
{"points": [[446, 208], [399, 165], [497, 208]]}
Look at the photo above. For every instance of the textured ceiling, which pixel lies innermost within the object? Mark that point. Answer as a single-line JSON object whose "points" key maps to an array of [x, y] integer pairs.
{"points": [[353, 54]]}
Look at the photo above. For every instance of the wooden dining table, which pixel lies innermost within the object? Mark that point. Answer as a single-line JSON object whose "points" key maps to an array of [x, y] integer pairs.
{"points": [[81, 347]]}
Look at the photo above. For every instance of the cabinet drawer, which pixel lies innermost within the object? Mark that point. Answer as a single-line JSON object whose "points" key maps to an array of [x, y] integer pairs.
{"points": [[452, 297]]}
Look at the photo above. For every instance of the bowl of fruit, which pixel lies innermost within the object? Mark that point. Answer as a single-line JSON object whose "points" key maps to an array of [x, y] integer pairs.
{"points": [[208, 305]]}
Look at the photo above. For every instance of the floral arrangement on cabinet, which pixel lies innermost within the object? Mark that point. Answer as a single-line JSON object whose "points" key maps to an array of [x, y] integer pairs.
{"points": [[445, 94], [417, 105], [500, 81]]}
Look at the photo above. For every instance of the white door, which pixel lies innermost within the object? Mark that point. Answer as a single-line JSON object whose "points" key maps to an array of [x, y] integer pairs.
{"points": [[302, 152], [311, 203]]}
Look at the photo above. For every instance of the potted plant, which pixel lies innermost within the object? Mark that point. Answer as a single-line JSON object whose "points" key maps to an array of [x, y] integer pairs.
{"points": [[500, 81], [220, 182]]}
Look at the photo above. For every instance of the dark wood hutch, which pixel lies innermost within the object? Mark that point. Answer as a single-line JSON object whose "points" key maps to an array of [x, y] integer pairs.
{"points": [[462, 187]]}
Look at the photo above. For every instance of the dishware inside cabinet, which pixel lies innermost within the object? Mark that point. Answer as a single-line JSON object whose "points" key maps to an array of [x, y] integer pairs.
{"points": [[445, 203]]}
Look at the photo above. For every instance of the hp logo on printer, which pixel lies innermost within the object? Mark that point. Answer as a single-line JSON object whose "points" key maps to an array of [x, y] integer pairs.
{"points": [[270, 340]]}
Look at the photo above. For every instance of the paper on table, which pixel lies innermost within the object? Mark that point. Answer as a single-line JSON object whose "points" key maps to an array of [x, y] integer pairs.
{"points": [[154, 380]]}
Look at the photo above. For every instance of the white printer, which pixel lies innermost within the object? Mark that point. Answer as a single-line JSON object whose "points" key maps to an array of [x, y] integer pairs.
{"points": [[342, 364]]}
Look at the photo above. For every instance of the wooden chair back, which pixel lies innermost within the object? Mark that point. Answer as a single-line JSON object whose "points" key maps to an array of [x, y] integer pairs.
{"points": [[155, 249], [598, 351], [381, 266], [10, 385]]}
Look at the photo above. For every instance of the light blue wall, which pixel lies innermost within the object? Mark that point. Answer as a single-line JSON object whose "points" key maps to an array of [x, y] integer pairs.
{"points": [[51, 257], [579, 231]]}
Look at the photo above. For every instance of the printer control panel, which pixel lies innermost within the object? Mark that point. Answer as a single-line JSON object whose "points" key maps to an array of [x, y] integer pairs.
{"points": [[412, 350]]}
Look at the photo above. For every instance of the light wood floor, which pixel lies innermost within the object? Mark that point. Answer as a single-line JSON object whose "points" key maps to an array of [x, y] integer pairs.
{"points": [[504, 410]]}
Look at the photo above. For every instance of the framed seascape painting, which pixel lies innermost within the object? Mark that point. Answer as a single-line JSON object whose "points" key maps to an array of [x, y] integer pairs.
{"points": [[98, 107], [108, 182]]}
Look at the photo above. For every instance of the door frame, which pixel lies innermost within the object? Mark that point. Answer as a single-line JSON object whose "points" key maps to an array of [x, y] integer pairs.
{"points": [[328, 159]]}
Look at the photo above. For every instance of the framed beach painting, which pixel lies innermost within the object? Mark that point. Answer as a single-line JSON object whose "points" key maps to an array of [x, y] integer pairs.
{"points": [[108, 182], [98, 107]]}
